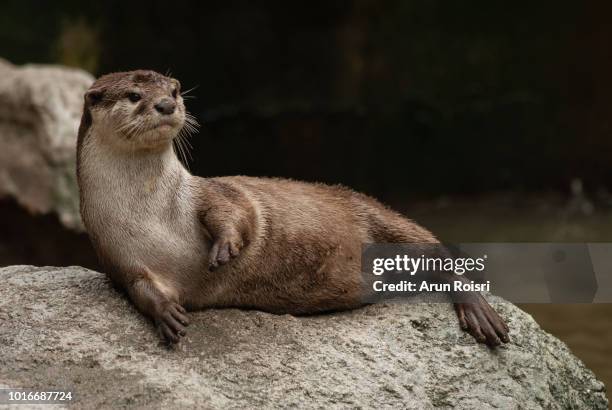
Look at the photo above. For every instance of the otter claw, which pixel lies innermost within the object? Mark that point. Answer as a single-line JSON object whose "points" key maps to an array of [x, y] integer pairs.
{"points": [[479, 319], [222, 252], [171, 322]]}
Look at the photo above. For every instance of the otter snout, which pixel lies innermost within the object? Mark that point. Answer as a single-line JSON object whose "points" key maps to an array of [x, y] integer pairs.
{"points": [[166, 106]]}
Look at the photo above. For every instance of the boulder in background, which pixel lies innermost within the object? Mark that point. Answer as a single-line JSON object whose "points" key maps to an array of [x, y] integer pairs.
{"points": [[40, 111]]}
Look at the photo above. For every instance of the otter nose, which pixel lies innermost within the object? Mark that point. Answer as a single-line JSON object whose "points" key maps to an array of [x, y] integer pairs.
{"points": [[166, 106]]}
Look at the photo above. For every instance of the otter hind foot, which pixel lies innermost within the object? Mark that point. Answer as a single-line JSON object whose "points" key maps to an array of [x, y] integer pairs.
{"points": [[480, 320]]}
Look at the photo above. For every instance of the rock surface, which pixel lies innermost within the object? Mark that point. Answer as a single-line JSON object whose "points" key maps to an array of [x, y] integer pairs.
{"points": [[40, 111], [66, 327]]}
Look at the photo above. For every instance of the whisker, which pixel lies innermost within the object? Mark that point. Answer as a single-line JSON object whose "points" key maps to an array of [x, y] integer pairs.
{"points": [[185, 141], [190, 90], [177, 149], [183, 152]]}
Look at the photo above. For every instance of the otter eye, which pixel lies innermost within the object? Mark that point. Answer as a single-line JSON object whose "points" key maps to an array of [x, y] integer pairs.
{"points": [[134, 97], [174, 93]]}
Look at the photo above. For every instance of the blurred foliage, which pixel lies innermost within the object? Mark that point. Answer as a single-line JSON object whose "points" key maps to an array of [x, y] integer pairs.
{"points": [[78, 45], [392, 97]]}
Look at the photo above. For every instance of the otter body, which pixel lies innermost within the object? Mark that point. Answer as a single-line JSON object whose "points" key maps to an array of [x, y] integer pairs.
{"points": [[174, 241], [304, 240]]}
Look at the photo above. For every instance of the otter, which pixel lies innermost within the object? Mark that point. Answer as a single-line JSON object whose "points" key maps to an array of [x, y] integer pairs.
{"points": [[175, 242]]}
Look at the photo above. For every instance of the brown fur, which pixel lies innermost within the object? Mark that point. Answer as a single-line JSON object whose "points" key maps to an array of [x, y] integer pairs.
{"points": [[272, 244]]}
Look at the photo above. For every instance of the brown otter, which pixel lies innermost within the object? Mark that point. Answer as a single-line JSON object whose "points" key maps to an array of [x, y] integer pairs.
{"points": [[178, 242]]}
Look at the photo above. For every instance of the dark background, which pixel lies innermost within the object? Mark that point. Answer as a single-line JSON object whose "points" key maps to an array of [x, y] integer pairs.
{"points": [[390, 97], [482, 120]]}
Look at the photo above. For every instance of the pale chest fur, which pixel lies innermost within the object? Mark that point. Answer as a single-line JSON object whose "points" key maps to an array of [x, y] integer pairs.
{"points": [[139, 210]]}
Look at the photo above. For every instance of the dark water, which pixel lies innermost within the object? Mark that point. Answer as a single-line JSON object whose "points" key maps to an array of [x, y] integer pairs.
{"points": [[585, 328]]}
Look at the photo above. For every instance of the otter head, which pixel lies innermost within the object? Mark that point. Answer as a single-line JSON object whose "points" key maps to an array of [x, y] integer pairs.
{"points": [[136, 110]]}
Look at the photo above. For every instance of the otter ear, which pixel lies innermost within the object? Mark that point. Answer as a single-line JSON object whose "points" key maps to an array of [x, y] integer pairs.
{"points": [[177, 84], [94, 96]]}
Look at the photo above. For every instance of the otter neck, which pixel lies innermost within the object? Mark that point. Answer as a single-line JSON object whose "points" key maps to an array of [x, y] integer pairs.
{"points": [[134, 179]]}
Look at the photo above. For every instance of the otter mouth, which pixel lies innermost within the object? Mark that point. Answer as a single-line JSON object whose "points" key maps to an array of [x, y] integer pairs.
{"points": [[159, 132], [171, 123], [156, 131], [162, 126]]}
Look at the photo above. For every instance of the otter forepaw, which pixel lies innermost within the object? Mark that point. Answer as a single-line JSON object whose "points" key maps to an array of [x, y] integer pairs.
{"points": [[223, 250], [171, 321], [480, 320]]}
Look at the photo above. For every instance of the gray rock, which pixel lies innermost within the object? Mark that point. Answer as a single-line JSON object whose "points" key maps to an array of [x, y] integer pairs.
{"points": [[67, 328], [40, 111]]}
